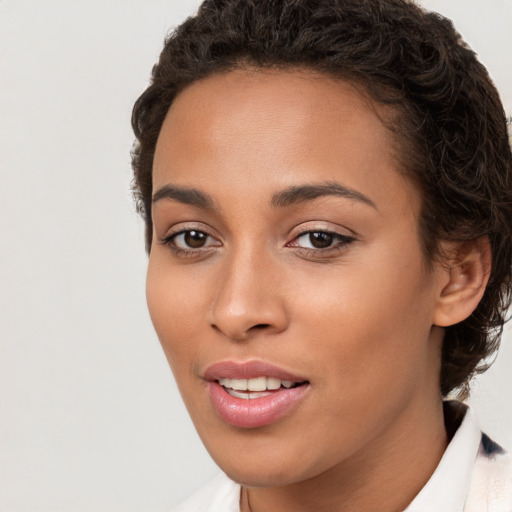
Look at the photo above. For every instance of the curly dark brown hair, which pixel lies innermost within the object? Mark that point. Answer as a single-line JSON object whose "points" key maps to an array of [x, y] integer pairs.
{"points": [[450, 127]]}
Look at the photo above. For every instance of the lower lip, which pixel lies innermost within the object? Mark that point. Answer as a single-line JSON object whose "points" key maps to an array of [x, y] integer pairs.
{"points": [[255, 412]]}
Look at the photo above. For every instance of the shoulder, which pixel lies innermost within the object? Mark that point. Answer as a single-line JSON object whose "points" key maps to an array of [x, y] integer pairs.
{"points": [[219, 495], [491, 484]]}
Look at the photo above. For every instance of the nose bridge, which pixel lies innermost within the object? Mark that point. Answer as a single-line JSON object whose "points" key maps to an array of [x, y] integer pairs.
{"points": [[247, 298]]}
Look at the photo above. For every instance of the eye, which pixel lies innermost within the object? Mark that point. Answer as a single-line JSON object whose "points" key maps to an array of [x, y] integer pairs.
{"points": [[321, 240], [190, 241], [316, 240]]}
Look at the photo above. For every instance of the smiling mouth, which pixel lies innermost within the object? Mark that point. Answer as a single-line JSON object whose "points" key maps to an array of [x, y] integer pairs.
{"points": [[253, 394], [257, 387]]}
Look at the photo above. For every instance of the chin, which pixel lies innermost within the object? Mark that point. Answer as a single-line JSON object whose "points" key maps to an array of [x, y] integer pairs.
{"points": [[261, 476], [263, 462]]}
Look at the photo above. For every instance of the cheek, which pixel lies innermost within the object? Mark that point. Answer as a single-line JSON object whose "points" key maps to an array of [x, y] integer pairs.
{"points": [[367, 342], [175, 314], [371, 320]]}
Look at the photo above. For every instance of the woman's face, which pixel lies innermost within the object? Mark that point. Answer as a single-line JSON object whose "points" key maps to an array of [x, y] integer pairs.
{"points": [[286, 253]]}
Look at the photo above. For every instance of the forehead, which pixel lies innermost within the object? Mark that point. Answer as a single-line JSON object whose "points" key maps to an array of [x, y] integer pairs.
{"points": [[281, 126], [269, 104]]}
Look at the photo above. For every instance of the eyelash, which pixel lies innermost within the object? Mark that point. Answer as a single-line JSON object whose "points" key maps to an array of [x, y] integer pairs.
{"points": [[169, 241], [342, 242]]}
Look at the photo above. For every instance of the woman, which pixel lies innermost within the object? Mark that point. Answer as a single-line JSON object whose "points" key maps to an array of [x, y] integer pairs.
{"points": [[327, 190]]}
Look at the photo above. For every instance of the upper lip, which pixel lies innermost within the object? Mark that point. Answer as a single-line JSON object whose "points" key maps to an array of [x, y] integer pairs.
{"points": [[248, 370]]}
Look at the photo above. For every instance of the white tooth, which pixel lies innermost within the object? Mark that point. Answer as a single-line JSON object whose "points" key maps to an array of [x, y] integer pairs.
{"points": [[273, 383], [225, 382], [287, 383], [240, 384], [257, 384], [247, 396], [259, 394], [237, 394]]}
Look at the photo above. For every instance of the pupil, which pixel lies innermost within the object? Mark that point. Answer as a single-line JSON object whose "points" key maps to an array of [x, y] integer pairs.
{"points": [[195, 239], [320, 240]]}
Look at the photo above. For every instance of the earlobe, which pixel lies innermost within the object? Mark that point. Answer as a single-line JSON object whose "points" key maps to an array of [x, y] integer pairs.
{"points": [[464, 276]]}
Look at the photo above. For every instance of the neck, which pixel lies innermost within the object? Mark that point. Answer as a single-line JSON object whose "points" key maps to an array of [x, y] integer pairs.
{"points": [[384, 477]]}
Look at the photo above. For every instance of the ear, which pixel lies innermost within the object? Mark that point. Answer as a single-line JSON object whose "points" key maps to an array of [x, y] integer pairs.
{"points": [[464, 273]]}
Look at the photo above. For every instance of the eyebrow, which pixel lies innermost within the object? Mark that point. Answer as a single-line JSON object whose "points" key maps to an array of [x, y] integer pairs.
{"points": [[185, 195], [303, 193], [287, 197]]}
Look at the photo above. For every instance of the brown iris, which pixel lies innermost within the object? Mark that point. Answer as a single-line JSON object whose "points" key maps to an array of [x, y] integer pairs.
{"points": [[195, 239], [320, 239]]}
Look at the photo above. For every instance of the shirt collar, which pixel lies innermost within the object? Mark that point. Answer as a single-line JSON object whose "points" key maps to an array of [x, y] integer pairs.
{"points": [[448, 487]]}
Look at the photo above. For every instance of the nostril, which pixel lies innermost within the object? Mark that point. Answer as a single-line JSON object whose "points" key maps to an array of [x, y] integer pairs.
{"points": [[241, 335]]}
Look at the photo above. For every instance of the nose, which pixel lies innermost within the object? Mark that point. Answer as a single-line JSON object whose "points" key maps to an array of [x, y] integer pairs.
{"points": [[248, 299]]}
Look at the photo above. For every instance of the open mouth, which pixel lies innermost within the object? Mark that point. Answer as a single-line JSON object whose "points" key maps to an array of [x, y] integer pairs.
{"points": [[257, 387], [252, 394]]}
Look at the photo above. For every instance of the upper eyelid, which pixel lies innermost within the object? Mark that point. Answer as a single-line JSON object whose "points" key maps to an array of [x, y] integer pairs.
{"points": [[179, 232], [334, 248], [345, 237], [183, 227], [300, 230], [313, 227], [335, 233]]}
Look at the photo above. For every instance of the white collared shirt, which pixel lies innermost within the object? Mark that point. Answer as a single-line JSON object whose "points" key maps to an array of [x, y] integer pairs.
{"points": [[474, 475]]}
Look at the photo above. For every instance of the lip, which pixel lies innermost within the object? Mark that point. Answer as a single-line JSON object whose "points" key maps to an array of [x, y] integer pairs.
{"points": [[257, 412], [248, 370]]}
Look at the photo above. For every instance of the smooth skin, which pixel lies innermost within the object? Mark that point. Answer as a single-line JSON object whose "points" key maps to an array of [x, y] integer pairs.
{"points": [[335, 287]]}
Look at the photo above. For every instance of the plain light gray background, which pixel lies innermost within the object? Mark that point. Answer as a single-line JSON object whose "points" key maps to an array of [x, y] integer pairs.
{"points": [[90, 419]]}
